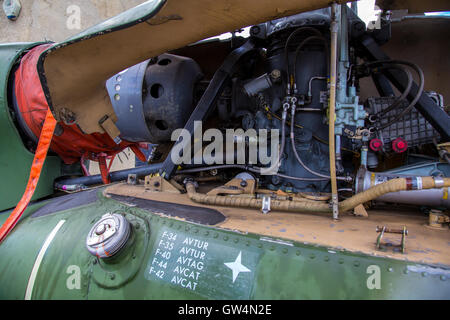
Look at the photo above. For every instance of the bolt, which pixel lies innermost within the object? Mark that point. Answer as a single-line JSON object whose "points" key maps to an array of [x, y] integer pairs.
{"points": [[255, 30], [112, 276], [243, 183], [275, 75]]}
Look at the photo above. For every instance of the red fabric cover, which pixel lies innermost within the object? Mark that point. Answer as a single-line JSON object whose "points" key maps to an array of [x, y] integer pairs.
{"points": [[72, 144]]}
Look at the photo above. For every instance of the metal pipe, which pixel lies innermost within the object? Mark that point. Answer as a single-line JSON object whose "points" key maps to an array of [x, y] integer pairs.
{"points": [[114, 176], [332, 109], [310, 84], [436, 197]]}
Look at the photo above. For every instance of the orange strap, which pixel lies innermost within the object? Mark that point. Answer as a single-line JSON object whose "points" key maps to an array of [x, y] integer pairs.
{"points": [[104, 170], [36, 168], [138, 153]]}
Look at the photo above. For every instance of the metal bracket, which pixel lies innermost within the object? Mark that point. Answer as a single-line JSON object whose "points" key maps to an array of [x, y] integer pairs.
{"points": [[437, 219], [384, 229], [335, 206], [108, 124], [235, 186], [159, 184], [132, 179]]}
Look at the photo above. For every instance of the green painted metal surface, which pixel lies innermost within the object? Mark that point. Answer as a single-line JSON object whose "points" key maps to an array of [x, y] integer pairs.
{"points": [[167, 258], [15, 159]]}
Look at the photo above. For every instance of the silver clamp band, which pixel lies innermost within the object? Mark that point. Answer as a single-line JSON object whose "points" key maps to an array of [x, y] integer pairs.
{"points": [[265, 205], [438, 182]]}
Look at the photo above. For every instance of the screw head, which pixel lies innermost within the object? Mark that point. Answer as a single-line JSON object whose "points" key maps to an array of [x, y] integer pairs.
{"points": [[255, 30]]}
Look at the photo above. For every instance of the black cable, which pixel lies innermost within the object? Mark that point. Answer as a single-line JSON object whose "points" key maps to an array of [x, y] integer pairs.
{"points": [[405, 92], [419, 91]]}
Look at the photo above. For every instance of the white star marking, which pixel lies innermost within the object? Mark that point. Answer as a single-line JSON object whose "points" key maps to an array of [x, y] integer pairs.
{"points": [[237, 267]]}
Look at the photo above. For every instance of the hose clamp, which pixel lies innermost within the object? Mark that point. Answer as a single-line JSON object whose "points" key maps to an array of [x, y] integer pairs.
{"points": [[265, 205], [438, 182]]}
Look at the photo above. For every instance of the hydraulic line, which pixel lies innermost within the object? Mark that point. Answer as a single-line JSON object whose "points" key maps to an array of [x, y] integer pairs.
{"points": [[302, 44], [419, 91], [310, 83], [286, 47], [299, 160], [394, 185], [216, 167], [302, 127], [283, 133], [404, 94], [246, 168]]}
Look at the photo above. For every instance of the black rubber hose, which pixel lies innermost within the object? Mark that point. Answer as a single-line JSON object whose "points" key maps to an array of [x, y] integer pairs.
{"points": [[302, 44], [404, 94], [419, 92]]}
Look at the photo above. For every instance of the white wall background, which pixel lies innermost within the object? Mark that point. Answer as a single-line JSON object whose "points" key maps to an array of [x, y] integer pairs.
{"points": [[48, 19]]}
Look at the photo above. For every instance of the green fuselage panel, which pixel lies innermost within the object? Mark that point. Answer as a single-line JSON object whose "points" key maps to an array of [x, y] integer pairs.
{"points": [[167, 258], [15, 159]]}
